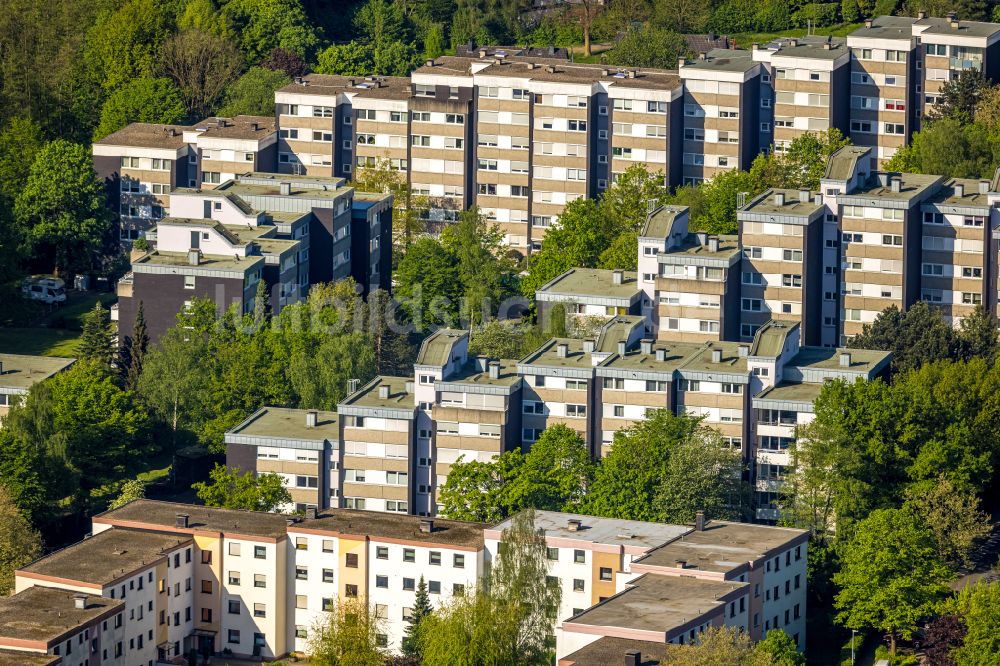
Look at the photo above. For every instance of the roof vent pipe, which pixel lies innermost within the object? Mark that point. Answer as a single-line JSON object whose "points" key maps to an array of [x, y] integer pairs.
{"points": [[699, 521], [661, 355], [588, 346], [617, 276], [713, 243], [426, 525], [80, 601], [622, 347], [959, 190], [845, 359], [494, 370], [646, 346], [312, 417], [984, 186], [804, 196], [779, 198], [716, 356], [896, 184], [868, 22], [182, 520], [383, 391], [562, 349], [285, 189]]}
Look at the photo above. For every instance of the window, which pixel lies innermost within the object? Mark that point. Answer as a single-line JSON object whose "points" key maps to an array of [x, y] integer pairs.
{"points": [[576, 411], [382, 581], [434, 586], [260, 552], [351, 560], [579, 557], [434, 558], [259, 610], [752, 305], [894, 128], [606, 573], [259, 580], [789, 280], [409, 584], [301, 573], [889, 239], [409, 555], [234, 636], [234, 578], [234, 607], [972, 272], [327, 575], [458, 561], [578, 585], [206, 587], [327, 545], [351, 591]]}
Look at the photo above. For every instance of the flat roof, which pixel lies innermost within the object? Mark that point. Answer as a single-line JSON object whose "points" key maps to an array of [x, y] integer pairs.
{"points": [[205, 262], [825, 358], [770, 338], [367, 396], [320, 84], [658, 603], [722, 546], [21, 371], [158, 514], [595, 529], [561, 71], [593, 282], [887, 27], [608, 651], [791, 392], [723, 60], [243, 190], [108, 555], [701, 361], [911, 184], [41, 613], [547, 354], [942, 26], [675, 355], [395, 526], [971, 195], [384, 87], [766, 203], [436, 348], [147, 135], [811, 47], [287, 423], [23, 658], [454, 65], [617, 329], [728, 246], [237, 127], [471, 374]]}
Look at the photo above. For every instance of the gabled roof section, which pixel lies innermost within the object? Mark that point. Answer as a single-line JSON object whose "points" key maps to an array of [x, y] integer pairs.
{"points": [[843, 163], [436, 349]]}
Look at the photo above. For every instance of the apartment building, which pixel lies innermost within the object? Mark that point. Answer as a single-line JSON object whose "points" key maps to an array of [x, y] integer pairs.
{"points": [[301, 446], [143, 163], [957, 270], [807, 76], [781, 278], [591, 295], [44, 625], [727, 113], [951, 46], [19, 372], [658, 583], [315, 135]]}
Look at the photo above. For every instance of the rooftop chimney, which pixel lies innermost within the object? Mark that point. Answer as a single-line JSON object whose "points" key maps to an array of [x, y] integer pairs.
{"points": [[804, 196], [605, 72], [426, 525], [713, 243], [383, 391], [574, 524], [984, 186], [494, 370], [352, 386], [285, 189], [298, 79], [681, 62], [80, 601], [254, 126], [430, 62], [702, 238], [954, 24], [622, 347], [532, 65], [845, 359], [617, 276], [646, 346], [680, 564], [562, 349], [959, 189], [895, 184], [827, 46], [661, 354], [194, 257], [921, 15], [631, 73], [793, 42], [779, 198], [482, 53], [699, 521], [868, 23], [551, 69], [716, 356], [744, 351], [171, 132], [633, 658], [312, 416], [221, 122], [182, 520], [310, 513], [588, 346]]}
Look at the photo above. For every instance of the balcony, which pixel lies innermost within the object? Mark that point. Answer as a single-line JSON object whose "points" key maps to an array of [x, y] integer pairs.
{"points": [[768, 513], [769, 484]]}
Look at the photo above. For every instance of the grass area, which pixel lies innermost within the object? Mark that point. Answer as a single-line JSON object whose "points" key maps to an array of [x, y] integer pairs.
{"points": [[36, 329], [745, 40]]}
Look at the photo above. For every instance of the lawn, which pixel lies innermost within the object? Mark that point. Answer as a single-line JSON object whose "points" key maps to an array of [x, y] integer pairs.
{"points": [[32, 328], [745, 40]]}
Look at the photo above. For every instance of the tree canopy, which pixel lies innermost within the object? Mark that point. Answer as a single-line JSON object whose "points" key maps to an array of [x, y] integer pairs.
{"points": [[232, 489]]}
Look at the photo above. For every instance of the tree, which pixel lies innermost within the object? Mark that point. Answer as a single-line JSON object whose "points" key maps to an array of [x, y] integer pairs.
{"points": [[253, 93], [350, 59], [802, 165], [20, 142], [282, 60], [588, 11], [407, 222], [941, 636], [434, 42], [264, 25], [143, 100], [577, 240], [174, 378], [346, 635], [628, 480], [781, 649], [131, 490], [720, 195], [421, 609], [977, 335], [97, 343], [890, 577], [485, 271], [497, 339], [914, 337], [231, 489], [428, 284], [508, 617], [729, 646], [959, 96], [628, 202], [201, 65], [556, 472], [953, 516], [62, 209], [703, 473], [649, 46], [136, 346], [261, 306], [19, 542], [979, 607], [122, 45], [950, 147], [478, 491]]}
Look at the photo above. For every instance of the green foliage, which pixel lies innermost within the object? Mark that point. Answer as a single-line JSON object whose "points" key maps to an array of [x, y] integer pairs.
{"points": [[20, 142], [781, 648], [350, 59], [507, 619], [421, 609], [131, 490], [849, 11], [253, 93], [142, 100], [427, 283], [664, 469], [134, 349], [816, 14], [347, 635], [122, 44], [97, 343], [479, 491], [953, 516], [950, 147], [231, 489], [914, 337], [979, 608], [61, 211], [264, 25], [890, 578], [434, 44], [649, 46], [19, 542]]}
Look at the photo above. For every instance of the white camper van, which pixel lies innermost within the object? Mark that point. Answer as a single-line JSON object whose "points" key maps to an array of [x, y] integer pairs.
{"points": [[44, 288]]}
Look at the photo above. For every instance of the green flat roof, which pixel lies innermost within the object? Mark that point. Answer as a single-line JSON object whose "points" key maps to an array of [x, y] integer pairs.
{"points": [[399, 397], [287, 423], [469, 374], [724, 60], [547, 355], [728, 246], [207, 261], [436, 349], [615, 330], [791, 392], [793, 205], [675, 355], [770, 338], [824, 358], [592, 282], [841, 164], [970, 197], [731, 361], [661, 221], [21, 371], [912, 184]]}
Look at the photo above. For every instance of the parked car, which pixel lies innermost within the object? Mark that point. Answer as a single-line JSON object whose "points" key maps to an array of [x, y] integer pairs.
{"points": [[44, 288]]}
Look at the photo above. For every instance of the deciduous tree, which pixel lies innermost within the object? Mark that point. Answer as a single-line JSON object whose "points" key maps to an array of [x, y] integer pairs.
{"points": [[232, 489], [979, 607], [201, 65], [347, 635], [131, 490], [253, 93], [19, 542], [953, 516]]}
